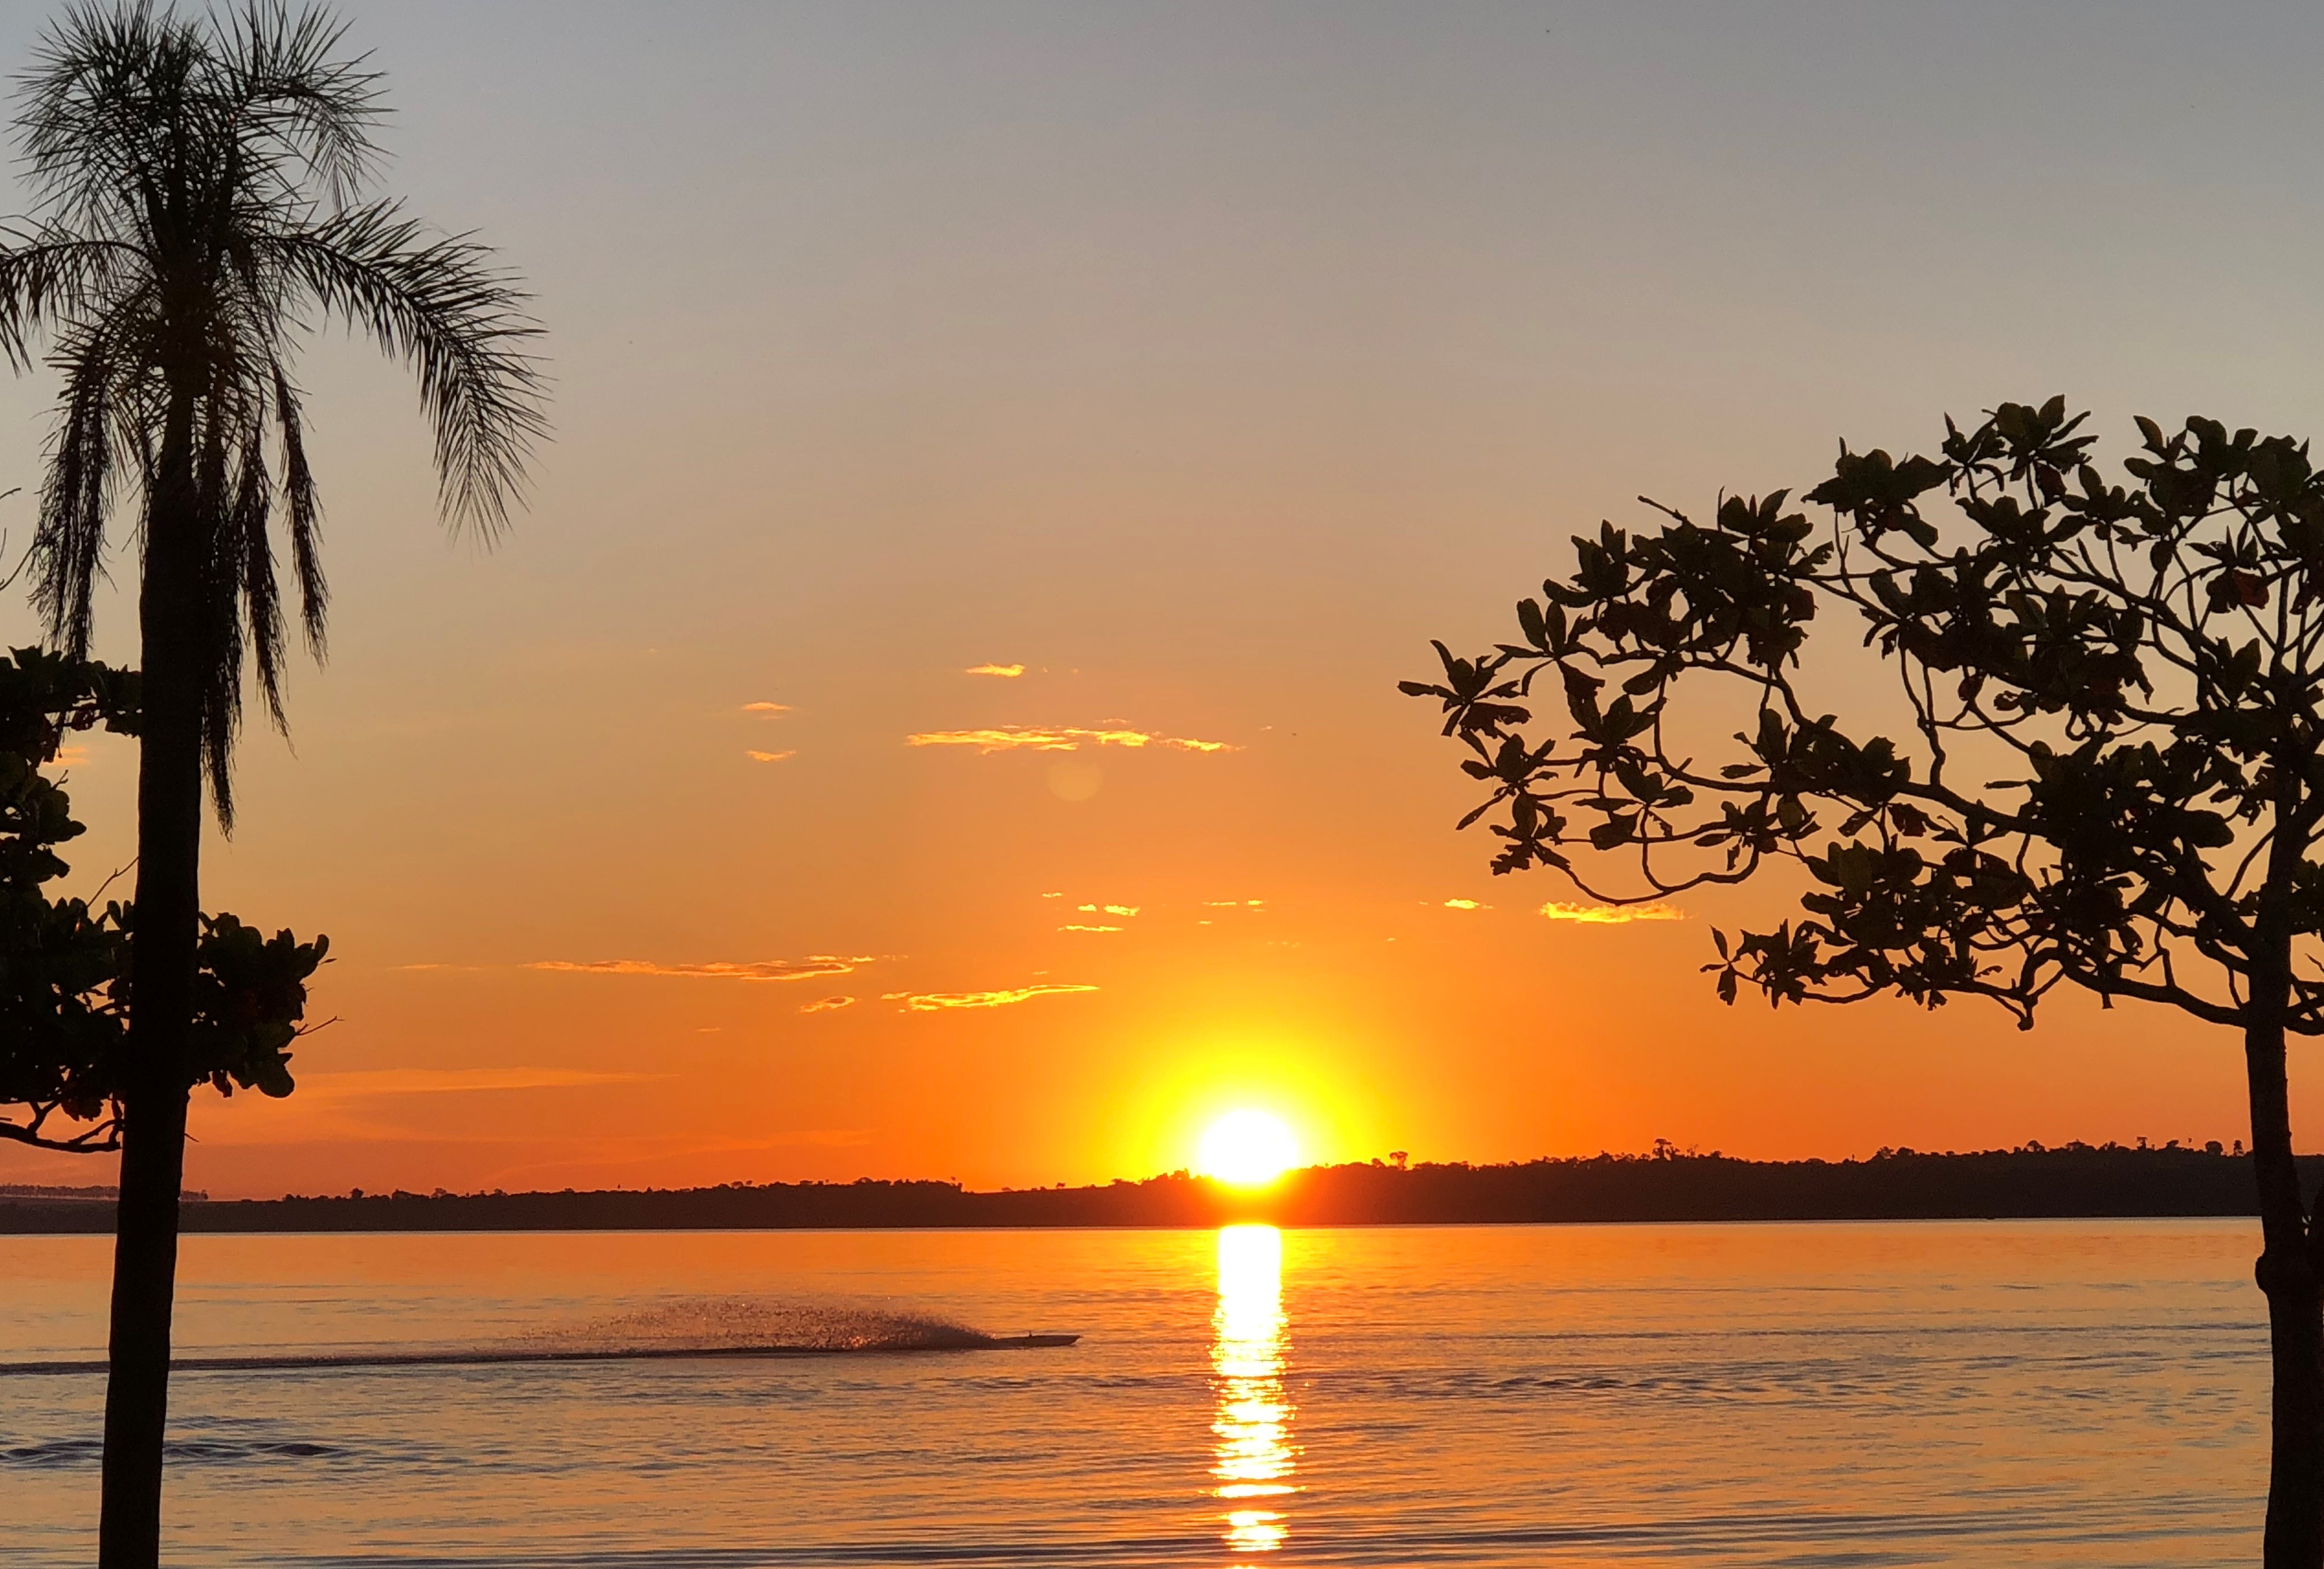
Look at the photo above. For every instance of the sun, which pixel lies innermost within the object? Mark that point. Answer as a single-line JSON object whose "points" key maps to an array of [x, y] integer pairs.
{"points": [[1247, 1149]]}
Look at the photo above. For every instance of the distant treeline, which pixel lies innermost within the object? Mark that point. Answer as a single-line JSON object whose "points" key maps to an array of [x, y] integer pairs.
{"points": [[2078, 1179]]}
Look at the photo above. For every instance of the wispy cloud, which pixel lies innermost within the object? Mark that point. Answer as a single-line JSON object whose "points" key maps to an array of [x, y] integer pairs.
{"points": [[771, 757], [937, 1002], [1109, 909], [1061, 739], [764, 970], [827, 1004], [1469, 905], [1089, 928], [1006, 672], [1232, 904], [767, 708], [1611, 914], [357, 1083]]}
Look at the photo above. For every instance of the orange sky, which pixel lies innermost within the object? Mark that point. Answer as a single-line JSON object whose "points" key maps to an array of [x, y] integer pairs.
{"points": [[1203, 362]]}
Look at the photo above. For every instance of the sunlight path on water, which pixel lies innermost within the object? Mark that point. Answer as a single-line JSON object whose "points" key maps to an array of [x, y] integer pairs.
{"points": [[1253, 1426]]}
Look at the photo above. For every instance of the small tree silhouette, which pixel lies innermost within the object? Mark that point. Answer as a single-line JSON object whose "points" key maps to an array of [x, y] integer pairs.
{"points": [[2135, 662], [64, 965]]}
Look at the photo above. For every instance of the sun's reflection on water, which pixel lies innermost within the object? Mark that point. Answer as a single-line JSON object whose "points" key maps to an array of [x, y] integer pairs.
{"points": [[1254, 1454]]}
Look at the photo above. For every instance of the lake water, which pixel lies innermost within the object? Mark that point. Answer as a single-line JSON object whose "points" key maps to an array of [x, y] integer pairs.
{"points": [[2053, 1393]]}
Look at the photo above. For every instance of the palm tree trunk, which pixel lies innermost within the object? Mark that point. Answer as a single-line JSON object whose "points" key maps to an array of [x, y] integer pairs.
{"points": [[162, 948], [2289, 1274]]}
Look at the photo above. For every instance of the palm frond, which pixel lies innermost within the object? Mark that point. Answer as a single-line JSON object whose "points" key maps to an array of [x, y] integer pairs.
{"points": [[441, 306], [306, 514], [69, 542], [285, 75], [49, 277], [98, 103], [261, 600], [219, 565]]}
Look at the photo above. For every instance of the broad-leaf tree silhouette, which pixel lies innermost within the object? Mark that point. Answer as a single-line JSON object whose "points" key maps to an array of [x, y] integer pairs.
{"points": [[198, 187], [64, 962], [2105, 775]]}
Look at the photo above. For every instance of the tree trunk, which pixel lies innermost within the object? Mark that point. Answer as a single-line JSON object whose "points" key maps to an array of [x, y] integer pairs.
{"points": [[162, 948], [2290, 1275]]}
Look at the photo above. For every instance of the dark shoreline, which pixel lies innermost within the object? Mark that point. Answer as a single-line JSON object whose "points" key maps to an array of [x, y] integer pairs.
{"points": [[2077, 1181]]}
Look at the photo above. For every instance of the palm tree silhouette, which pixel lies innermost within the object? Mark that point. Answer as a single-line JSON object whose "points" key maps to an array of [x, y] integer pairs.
{"points": [[198, 186]]}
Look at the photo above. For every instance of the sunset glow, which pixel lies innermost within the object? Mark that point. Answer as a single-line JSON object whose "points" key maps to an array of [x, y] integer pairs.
{"points": [[1247, 1149], [996, 503]]}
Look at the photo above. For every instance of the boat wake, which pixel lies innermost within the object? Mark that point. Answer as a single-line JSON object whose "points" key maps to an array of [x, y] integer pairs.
{"points": [[720, 1324], [727, 1327]]}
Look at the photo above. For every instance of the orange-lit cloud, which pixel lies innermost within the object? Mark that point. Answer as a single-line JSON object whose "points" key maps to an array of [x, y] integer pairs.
{"points": [[827, 1004], [1007, 672], [1109, 909], [765, 969], [935, 1001], [1232, 904], [1062, 738], [1089, 928], [770, 756], [767, 708], [1469, 905], [1611, 914]]}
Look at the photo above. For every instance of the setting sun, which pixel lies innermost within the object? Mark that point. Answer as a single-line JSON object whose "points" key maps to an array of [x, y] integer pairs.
{"points": [[1248, 1148]]}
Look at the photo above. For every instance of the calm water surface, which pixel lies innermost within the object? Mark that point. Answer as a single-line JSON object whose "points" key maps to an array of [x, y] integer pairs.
{"points": [[1910, 1394]]}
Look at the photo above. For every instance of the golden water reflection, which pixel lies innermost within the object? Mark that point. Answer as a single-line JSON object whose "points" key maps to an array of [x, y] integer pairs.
{"points": [[1254, 1454]]}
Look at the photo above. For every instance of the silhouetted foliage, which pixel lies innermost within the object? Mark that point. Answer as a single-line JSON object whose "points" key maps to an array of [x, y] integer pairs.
{"points": [[2113, 685], [2148, 655], [64, 965], [60, 963]]}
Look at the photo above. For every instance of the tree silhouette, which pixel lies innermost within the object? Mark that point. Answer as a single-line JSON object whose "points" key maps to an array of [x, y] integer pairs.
{"points": [[62, 1013], [198, 185], [2112, 692], [64, 964]]}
